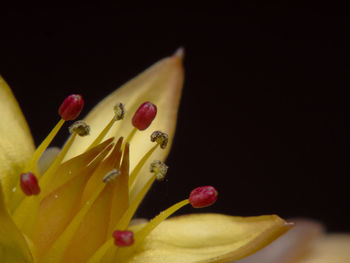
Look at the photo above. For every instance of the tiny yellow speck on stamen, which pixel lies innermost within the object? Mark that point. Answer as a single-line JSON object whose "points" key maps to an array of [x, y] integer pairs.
{"points": [[80, 127], [159, 169], [110, 176], [161, 138]]}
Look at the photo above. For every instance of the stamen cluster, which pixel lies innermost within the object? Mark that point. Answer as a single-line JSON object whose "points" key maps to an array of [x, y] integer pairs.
{"points": [[96, 180]]}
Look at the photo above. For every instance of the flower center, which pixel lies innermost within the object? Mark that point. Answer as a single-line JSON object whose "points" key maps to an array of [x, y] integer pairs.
{"points": [[86, 203]]}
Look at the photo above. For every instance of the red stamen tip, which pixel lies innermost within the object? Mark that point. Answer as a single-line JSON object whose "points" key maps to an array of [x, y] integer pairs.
{"points": [[29, 184], [123, 238], [71, 107], [144, 116], [203, 196]]}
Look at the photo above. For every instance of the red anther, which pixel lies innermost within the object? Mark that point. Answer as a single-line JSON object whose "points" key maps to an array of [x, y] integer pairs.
{"points": [[203, 196], [123, 238], [71, 107], [144, 116], [29, 184]]}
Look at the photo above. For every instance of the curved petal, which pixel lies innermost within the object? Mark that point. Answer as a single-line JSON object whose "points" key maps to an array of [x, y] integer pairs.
{"points": [[291, 246], [13, 246], [209, 238], [16, 143], [160, 84], [333, 248]]}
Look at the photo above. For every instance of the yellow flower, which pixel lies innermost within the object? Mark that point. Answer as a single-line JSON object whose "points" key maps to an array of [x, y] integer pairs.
{"points": [[88, 196]]}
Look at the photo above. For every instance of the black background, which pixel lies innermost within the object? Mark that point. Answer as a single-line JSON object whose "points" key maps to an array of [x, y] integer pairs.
{"points": [[264, 111]]}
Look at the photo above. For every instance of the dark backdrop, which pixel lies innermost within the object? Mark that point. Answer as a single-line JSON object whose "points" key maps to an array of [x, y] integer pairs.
{"points": [[276, 137]]}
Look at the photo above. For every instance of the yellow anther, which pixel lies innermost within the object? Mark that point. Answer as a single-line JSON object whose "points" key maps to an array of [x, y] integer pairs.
{"points": [[119, 110], [161, 138], [80, 127], [159, 169], [110, 176]]}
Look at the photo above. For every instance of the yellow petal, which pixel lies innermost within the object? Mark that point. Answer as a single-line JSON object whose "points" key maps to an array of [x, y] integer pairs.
{"points": [[161, 84], [94, 227], [58, 208], [16, 143], [334, 248], [13, 246], [291, 246], [209, 238]]}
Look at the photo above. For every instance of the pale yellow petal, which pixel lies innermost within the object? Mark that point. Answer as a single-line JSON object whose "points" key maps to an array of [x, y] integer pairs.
{"points": [[291, 246], [209, 238], [13, 246], [16, 143], [333, 248], [59, 207], [160, 84]]}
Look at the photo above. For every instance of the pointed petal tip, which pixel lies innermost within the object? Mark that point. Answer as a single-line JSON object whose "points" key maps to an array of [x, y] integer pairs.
{"points": [[289, 224], [310, 223], [180, 53]]}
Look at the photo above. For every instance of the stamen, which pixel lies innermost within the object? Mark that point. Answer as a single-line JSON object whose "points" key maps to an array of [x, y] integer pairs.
{"points": [[159, 169], [50, 173], [144, 116], [161, 138], [199, 197], [120, 199], [71, 167], [203, 196], [130, 136], [80, 127], [110, 176], [123, 238], [69, 195], [31, 166], [69, 110], [125, 220], [97, 214], [108, 164], [29, 184], [71, 107], [144, 232], [119, 110], [59, 248]]}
